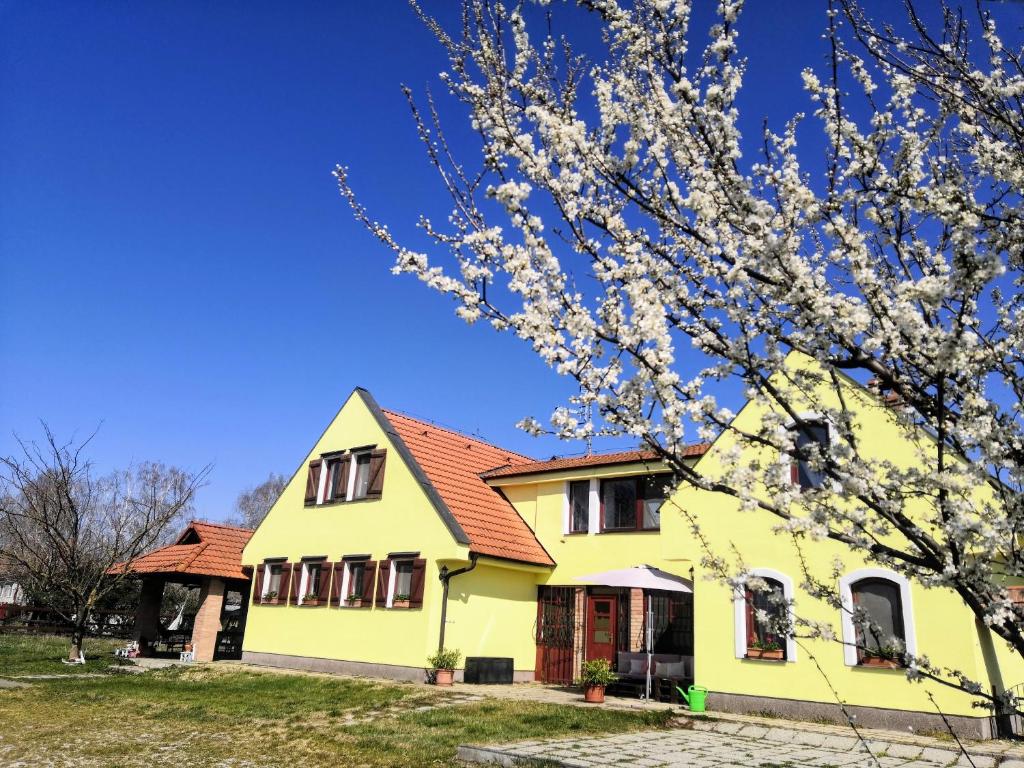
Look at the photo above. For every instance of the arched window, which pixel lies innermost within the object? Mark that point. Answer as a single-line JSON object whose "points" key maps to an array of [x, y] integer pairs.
{"points": [[766, 616], [763, 615], [877, 619]]}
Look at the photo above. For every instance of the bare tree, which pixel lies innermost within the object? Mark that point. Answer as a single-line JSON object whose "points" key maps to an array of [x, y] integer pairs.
{"points": [[63, 529], [253, 504]]}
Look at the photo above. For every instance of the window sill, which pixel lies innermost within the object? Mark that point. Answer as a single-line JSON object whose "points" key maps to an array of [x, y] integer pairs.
{"points": [[356, 604], [630, 530], [339, 502], [271, 602], [312, 604]]}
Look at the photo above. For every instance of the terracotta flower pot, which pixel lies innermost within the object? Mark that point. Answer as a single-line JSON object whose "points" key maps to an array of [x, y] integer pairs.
{"points": [[593, 694], [444, 677]]}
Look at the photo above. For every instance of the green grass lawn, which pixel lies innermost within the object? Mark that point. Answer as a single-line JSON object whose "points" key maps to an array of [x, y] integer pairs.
{"points": [[42, 655], [230, 717]]}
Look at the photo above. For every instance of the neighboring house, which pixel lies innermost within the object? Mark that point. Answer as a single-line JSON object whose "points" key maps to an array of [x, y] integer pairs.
{"points": [[11, 592], [396, 533]]}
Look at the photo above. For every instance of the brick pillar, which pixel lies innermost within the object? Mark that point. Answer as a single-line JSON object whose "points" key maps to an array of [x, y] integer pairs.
{"points": [[207, 624], [636, 620], [147, 615]]}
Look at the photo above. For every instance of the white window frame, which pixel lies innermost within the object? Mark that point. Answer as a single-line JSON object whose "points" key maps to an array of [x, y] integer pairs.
{"points": [[267, 576], [350, 492], [846, 598], [346, 578], [304, 580], [593, 507], [739, 602], [393, 578], [786, 460]]}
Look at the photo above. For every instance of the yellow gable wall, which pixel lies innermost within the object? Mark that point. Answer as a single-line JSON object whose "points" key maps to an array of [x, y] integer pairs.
{"points": [[402, 520], [945, 628]]}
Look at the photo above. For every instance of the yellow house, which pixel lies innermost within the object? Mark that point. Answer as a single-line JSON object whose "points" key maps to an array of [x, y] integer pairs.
{"points": [[397, 536]]}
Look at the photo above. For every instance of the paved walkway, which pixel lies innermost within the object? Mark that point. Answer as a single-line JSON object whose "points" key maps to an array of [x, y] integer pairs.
{"points": [[707, 745]]}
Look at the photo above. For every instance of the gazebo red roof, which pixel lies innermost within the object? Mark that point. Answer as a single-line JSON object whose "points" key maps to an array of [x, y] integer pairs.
{"points": [[203, 549]]}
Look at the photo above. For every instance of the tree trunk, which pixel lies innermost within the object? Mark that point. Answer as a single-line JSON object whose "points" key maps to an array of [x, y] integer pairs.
{"points": [[77, 637]]}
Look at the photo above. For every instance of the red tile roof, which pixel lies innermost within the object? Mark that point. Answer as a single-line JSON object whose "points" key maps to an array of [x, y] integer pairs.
{"points": [[452, 463], [203, 549], [594, 460]]}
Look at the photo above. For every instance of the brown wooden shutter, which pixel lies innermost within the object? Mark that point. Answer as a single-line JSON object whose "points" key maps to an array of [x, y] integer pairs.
{"points": [[375, 487], [313, 481], [257, 584], [336, 579], [293, 591], [383, 576], [369, 580], [341, 479], [324, 593], [419, 576]]}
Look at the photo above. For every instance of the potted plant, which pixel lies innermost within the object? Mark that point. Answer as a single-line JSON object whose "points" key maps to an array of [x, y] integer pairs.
{"points": [[353, 601], [311, 599], [887, 656], [595, 676], [400, 601], [444, 663], [270, 597], [768, 649]]}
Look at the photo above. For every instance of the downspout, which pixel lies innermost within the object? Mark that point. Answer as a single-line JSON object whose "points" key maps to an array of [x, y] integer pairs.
{"points": [[446, 576]]}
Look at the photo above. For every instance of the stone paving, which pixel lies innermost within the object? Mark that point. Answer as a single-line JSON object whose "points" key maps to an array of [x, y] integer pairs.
{"points": [[748, 746]]}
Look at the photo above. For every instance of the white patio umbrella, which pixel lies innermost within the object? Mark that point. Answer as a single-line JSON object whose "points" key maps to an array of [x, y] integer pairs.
{"points": [[642, 577]]}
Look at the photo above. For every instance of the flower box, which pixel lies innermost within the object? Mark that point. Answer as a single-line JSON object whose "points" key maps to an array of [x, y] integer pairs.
{"points": [[767, 654], [396, 603]]}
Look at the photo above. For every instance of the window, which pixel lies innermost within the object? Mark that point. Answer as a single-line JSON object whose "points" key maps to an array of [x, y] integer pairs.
{"points": [[314, 576], [809, 440], [766, 617], [336, 484], [763, 614], [633, 503], [878, 621], [618, 498], [271, 585], [356, 574], [401, 581], [361, 482], [877, 618], [346, 476], [579, 506]]}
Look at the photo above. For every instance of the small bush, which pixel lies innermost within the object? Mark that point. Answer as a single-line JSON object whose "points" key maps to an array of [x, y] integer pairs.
{"points": [[446, 658]]}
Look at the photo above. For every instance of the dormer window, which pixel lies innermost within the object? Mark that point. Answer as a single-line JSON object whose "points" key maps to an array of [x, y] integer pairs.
{"points": [[633, 503], [810, 441]]}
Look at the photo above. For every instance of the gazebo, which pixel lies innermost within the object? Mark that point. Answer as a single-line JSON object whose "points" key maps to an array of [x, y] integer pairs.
{"points": [[207, 556]]}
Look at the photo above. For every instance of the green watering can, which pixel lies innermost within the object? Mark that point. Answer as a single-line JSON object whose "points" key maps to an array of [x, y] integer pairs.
{"points": [[695, 698]]}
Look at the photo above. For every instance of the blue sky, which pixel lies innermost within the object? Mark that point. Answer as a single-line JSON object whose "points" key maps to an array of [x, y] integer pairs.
{"points": [[176, 263]]}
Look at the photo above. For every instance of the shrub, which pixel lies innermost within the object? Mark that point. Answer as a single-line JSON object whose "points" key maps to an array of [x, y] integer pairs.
{"points": [[445, 658]]}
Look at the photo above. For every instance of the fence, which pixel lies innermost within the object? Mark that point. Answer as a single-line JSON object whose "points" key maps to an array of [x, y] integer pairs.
{"points": [[41, 620]]}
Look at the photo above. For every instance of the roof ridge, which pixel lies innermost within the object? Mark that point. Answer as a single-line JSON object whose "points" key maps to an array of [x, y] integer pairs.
{"points": [[220, 525], [451, 431]]}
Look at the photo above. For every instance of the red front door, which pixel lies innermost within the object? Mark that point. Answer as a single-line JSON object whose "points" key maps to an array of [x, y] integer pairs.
{"points": [[601, 618]]}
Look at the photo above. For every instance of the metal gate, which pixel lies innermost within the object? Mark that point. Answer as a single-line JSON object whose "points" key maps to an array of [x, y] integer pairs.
{"points": [[556, 617]]}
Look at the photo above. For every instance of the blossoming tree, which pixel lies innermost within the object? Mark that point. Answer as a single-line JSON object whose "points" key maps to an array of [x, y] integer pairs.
{"points": [[617, 224]]}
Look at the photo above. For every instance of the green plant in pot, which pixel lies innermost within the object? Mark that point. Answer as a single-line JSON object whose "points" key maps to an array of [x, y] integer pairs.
{"points": [[595, 676], [444, 662]]}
